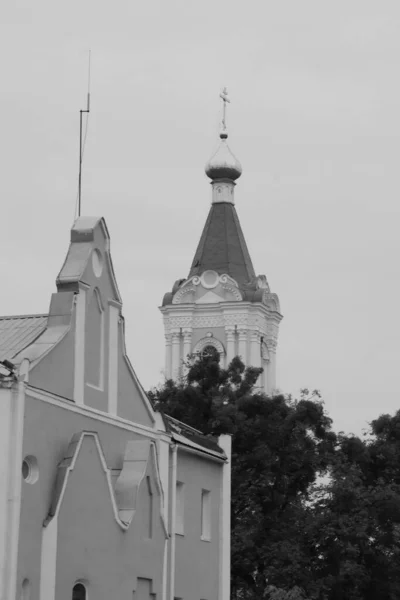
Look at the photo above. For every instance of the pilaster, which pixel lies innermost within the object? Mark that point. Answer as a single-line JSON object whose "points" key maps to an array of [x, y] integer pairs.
{"points": [[168, 356], [79, 364], [242, 346], [271, 366], [230, 344], [187, 344], [176, 354], [225, 442], [113, 359], [255, 349]]}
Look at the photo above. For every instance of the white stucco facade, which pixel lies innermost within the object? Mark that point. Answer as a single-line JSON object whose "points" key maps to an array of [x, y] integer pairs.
{"points": [[210, 311]]}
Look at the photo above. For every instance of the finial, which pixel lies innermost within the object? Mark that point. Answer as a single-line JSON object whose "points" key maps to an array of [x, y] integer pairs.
{"points": [[224, 96], [223, 164]]}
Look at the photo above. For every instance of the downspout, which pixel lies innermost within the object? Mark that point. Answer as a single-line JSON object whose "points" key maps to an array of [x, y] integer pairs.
{"points": [[15, 481], [173, 521]]}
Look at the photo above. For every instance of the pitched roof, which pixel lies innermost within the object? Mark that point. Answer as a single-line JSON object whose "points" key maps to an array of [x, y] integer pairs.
{"points": [[222, 247], [186, 435], [16, 333]]}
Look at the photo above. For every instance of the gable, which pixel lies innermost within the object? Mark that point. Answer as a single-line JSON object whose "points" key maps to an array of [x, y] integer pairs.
{"points": [[81, 355], [88, 259]]}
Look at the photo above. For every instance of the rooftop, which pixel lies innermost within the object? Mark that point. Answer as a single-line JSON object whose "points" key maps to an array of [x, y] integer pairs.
{"points": [[18, 332], [222, 247]]}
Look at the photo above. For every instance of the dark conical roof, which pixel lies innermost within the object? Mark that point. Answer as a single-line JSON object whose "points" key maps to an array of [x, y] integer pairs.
{"points": [[222, 247]]}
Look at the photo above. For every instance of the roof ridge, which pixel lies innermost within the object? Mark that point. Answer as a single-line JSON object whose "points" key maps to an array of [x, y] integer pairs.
{"points": [[24, 316]]}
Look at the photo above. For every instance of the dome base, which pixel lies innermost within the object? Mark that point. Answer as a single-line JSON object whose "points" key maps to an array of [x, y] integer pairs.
{"points": [[223, 191]]}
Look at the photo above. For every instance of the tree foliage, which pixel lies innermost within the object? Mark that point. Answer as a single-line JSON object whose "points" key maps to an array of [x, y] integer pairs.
{"points": [[355, 522], [279, 446], [295, 535]]}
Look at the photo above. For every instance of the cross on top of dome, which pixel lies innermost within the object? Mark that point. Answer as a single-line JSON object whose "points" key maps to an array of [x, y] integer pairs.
{"points": [[223, 164], [224, 96]]}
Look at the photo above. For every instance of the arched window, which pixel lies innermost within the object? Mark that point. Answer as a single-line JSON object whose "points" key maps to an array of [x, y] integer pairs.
{"points": [[26, 590], [79, 592], [209, 351]]}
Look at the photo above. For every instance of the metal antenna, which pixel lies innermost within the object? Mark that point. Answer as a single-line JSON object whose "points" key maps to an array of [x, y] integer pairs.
{"points": [[81, 149]]}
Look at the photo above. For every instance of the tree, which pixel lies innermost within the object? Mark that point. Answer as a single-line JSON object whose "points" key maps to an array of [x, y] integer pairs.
{"points": [[354, 524], [279, 447], [296, 536]]}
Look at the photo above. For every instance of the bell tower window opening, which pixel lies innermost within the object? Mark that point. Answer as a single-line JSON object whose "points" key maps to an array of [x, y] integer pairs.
{"points": [[209, 352]]}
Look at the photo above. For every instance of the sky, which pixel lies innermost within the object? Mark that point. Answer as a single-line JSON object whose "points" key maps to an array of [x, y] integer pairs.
{"points": [[314, 120]]}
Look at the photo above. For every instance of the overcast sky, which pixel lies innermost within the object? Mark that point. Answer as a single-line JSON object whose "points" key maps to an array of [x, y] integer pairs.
{"points": [[314, 120]]}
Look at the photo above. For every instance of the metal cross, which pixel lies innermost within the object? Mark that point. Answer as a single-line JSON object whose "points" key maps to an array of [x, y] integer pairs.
{"points": [[224, 96]]}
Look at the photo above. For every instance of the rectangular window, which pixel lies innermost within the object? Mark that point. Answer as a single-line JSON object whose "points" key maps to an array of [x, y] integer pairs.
{"points": [[180, 508], [205, 515]]}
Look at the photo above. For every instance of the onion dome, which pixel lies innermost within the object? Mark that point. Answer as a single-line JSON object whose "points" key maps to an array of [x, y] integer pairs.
{"points": [[223, 164]]}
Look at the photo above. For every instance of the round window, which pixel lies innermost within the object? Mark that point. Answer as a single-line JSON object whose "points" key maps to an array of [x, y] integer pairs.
{"points": [[97, 262], [209, 279], [30, 469]]}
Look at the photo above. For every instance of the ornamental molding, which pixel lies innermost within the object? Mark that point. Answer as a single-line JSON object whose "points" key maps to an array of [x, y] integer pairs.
{"points": [[208, 321], [271, 301], [207, 341], [183, 291], [180, 322], [238, 319], [259, 321], [208, 281], [272, 344], [262, 283], [233, 290]]}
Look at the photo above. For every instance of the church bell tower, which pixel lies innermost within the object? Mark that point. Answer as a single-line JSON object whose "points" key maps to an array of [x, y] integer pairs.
{"points": [[222, 303]]}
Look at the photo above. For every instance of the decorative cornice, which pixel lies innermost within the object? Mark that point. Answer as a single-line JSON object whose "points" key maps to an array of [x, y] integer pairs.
{"points": [[208, 280]]}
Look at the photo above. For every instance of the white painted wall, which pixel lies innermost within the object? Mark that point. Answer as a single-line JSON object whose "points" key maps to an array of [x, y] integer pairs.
{"points": [[13, 408], [5, 433], [225, 442]]}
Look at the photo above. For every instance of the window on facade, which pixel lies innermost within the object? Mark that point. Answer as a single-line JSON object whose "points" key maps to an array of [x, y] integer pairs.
{"points": [[26, 590], [209, 351], [205, 515], [79, 592], [180, 507]]}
